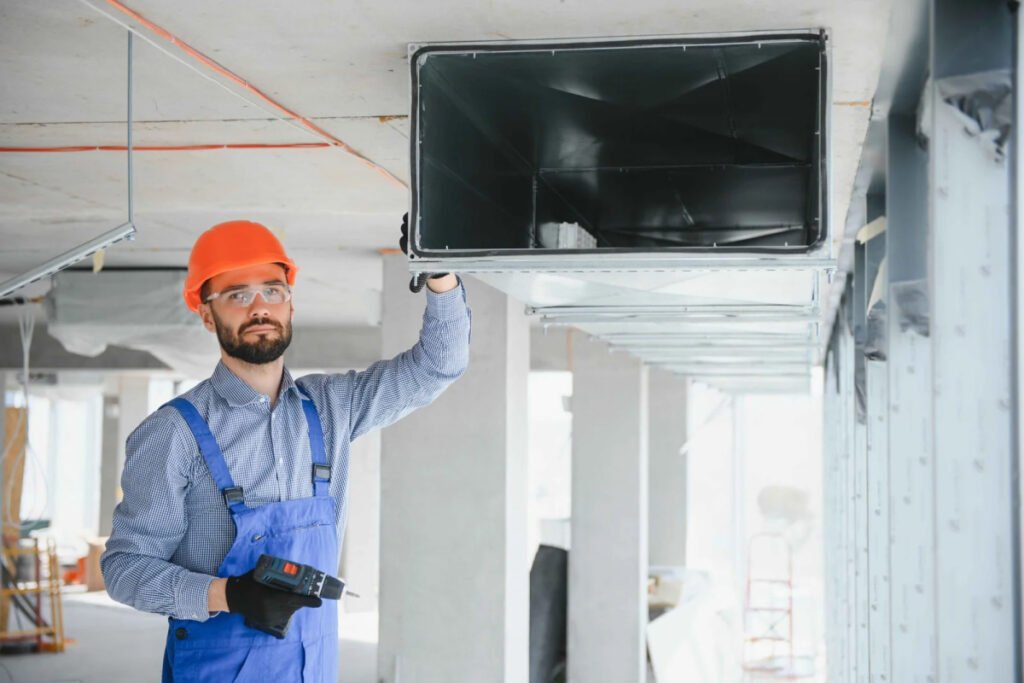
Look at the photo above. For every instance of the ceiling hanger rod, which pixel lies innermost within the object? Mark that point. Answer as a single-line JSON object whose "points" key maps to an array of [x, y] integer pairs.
{"points": [[125, 231]]}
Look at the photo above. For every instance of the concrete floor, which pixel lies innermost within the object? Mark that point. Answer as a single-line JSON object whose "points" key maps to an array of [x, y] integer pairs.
{"points": [[115, 644]]}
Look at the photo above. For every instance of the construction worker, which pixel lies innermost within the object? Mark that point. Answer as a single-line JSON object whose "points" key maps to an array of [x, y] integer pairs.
{"points": [[251, 461]]}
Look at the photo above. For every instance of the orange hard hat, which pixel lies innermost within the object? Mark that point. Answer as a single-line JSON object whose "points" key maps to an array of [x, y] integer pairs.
{"points": [[231, 245]]}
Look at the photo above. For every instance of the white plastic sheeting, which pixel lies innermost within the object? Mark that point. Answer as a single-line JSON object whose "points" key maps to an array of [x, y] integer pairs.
{"points": [[137, 309], [696, 642]]}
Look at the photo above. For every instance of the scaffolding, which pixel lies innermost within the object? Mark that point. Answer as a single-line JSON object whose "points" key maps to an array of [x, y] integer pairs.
{"points": [[26, 597], [768, 649]]}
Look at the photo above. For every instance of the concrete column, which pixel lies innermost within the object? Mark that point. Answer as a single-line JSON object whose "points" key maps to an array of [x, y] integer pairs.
{"points": [[110, 463], [454, 590], [121, 415], [667, 473], [608, 559], [360, 553]]}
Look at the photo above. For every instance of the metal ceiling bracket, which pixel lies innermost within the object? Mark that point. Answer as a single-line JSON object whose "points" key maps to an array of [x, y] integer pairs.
{"points": [[125, 231]]}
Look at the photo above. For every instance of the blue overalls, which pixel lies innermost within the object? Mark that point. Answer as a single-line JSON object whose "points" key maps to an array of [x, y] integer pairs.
{"points": [[223, 649]]}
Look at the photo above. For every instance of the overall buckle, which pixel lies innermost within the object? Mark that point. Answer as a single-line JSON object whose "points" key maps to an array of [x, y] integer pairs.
{"points": [[321, 472], [233, 495]]}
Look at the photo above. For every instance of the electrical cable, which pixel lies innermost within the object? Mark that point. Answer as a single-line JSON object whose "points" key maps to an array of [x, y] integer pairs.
{"points": [[26, 325], [265, 103], [165, 148]]}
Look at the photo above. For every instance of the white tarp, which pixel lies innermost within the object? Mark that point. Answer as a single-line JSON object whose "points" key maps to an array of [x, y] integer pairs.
{"points": [[137, 309], [698, 640]]}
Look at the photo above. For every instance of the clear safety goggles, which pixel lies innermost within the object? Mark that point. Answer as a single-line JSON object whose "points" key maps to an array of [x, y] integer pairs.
{"points": [[243, 297]]}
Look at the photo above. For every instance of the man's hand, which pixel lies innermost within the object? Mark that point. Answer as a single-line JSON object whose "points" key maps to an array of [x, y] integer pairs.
{"points": [[403, 241], [417, 281], [265, 608]]}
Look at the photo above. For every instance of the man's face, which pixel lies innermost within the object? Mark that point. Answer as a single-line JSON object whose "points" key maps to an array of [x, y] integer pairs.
{"points": [[258, 333]]}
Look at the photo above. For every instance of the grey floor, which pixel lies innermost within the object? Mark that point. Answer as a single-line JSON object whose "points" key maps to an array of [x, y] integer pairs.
{"points": [[115, 644]]}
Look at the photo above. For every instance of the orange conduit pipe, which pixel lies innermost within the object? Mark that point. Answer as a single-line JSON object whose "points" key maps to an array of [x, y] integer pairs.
{"points": [[241, 82], [163, 148]]}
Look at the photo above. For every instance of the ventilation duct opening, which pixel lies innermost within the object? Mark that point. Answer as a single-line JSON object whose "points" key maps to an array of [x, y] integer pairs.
{"points": [[680, 145]]}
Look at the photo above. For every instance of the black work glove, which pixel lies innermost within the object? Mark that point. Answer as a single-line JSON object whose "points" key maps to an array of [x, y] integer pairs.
{"points": [[418, 280], [265, 608]]}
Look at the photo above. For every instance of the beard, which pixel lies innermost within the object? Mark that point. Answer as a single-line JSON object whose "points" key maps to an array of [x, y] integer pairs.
{"points": [[264, 350]]}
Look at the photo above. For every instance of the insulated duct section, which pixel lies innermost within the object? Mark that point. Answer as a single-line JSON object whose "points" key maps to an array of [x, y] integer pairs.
{"points": [[667, 195]]}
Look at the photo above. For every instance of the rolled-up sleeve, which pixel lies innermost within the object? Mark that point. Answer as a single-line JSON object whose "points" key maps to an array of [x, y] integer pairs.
{"points": [[150, 522], [390, 389]]}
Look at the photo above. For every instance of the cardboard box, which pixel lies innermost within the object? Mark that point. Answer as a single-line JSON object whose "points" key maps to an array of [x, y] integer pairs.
{"points": [[93, 575]]}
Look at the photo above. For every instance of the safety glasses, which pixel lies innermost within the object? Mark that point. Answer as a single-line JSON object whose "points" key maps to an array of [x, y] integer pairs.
{"points": [[242, 297]]}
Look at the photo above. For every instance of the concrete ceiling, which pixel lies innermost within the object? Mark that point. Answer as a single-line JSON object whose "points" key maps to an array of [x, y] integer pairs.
{"points": [[340, 64]]}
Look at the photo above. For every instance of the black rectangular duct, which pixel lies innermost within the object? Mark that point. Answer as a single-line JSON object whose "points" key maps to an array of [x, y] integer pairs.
{"points": [[685, 145]]}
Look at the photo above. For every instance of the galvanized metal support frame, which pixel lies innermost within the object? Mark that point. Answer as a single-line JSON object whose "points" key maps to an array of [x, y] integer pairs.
{"points": [[970, 307], [860, 469], [939, 533], [850, 478], [1018, 314], [877, 465], [833, 504], [911, 462], [125, 231], [840, 496]]}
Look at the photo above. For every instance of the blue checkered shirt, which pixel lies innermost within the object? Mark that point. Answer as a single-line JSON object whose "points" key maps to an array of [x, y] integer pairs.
{"points": [[172, 529]]}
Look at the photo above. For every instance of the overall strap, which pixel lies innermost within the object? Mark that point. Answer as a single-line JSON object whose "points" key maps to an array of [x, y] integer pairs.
{"points": [[211, 453], [321, 470]]}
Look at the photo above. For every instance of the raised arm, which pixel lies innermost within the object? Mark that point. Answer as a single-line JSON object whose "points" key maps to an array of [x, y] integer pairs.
{"points": [[390, 389]]}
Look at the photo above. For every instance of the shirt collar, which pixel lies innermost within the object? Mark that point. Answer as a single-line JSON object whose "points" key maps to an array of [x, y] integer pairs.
{"points": [[287, 383], [237, 393]]}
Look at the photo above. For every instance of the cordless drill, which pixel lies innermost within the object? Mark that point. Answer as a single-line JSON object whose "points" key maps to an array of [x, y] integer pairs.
{"points": [[292, 577]]}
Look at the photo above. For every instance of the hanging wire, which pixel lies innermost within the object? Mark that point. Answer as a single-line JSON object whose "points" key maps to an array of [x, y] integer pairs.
{"points": [[131, 175], [11, 517], [262, 101]]}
